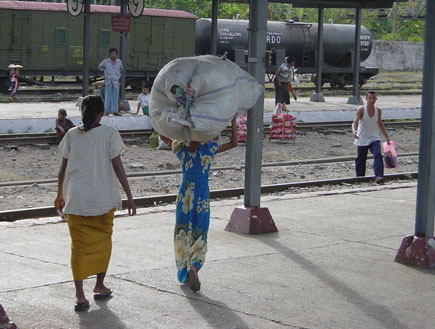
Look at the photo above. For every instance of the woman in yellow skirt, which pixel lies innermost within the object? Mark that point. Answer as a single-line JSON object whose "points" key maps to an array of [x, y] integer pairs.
{"points": [[88, 193]]}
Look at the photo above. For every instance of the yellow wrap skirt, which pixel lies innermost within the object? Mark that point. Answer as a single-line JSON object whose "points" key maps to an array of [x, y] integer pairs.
{"points": [[91, 243]]}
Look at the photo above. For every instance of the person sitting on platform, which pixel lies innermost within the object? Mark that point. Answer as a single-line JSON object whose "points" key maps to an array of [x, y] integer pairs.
{"points": [[144, 101], [365, 130], [62, 124]]}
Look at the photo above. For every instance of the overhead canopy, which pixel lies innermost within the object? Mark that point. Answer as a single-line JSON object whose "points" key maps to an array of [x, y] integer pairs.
{"points": [[339, 3], [333, 3]]}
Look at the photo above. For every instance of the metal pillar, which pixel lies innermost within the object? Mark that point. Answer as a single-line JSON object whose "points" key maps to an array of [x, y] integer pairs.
{"points": [[318, 96], [256, 67], [122, 50], [213, 37], [356, 61], [86, 45], [253, 218], [424, 225], [419, 249]]}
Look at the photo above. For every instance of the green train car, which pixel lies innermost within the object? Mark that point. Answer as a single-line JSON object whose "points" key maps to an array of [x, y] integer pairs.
{"points": [[47, 41]]}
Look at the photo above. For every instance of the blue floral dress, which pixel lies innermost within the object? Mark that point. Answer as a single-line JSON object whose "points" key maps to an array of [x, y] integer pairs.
{"points": [[193, 211]]}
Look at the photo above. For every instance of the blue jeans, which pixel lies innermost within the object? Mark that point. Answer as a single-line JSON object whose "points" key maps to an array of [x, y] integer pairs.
{"points": [[378, 163], [111, 96]]}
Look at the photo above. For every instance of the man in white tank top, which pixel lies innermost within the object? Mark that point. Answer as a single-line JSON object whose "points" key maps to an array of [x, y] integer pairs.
{"points": [[365, 130]]}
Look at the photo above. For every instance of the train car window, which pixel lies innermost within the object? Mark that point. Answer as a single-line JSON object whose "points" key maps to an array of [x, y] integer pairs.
{"points": [[60, 36], [105, 37]]}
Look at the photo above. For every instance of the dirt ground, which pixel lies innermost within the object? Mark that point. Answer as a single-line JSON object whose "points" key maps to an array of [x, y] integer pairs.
{"points": [[39, 162]]}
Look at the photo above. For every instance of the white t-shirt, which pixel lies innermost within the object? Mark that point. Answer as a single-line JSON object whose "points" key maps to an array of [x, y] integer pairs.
{"points": [[91, 187], [144, 100]]}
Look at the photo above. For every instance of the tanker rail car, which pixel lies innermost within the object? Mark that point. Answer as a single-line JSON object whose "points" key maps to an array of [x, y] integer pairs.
{"points": [[298, 40], [47, 41]]}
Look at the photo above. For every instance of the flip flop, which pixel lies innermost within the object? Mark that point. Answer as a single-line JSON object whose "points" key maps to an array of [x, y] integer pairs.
{"points": [[81, 307], [104, 295], [194, 283]]}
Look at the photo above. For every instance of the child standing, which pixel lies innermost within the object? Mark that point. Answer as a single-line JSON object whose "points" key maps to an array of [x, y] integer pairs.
{"points": [[13, 76], [62, 124], [193, 206], [88, 194], [144, 101]]}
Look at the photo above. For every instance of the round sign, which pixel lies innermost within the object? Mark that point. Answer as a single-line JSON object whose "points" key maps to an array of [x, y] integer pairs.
{"points": [[135, 7], [75, 7]]}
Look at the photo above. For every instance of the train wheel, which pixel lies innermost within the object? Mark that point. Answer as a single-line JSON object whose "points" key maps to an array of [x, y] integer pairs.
{"points": [[4, 85], [314, 80], [333, 81], [337, 82]]}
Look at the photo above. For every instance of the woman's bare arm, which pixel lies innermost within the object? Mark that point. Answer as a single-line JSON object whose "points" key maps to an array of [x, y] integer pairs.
{"points": [[122, 177], [234, 139]]}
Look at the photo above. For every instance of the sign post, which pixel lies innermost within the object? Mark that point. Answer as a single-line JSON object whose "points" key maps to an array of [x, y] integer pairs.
{"points": [[122, 49], [75, 8], [86, 46]]}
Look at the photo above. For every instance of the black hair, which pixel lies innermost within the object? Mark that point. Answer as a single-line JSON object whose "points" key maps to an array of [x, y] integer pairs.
{"points": [[62, 112], [371, 92], [289, 59], [112, 50], [91, 106]]}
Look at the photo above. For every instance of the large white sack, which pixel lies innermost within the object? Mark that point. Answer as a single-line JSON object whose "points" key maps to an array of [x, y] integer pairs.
{"points": [[221, 88]]}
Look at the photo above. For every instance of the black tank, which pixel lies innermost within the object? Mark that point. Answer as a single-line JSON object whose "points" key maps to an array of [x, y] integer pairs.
{"points": [[299, 40]]}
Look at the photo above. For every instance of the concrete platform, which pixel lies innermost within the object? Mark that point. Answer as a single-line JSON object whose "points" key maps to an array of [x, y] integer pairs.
{"points": [[330, 266], [39, 117]]}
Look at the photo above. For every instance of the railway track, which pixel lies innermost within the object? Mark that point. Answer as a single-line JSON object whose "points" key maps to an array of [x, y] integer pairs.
{"points": [[17, 214], [50, 138], [215, 169]]}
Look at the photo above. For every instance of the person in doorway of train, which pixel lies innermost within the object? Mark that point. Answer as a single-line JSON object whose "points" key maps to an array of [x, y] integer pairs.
{"points": [[112, 68], [13, 76], [193, 205], [283, 78], [143, 101], [62, 124], [365, 130], [88, 194]]}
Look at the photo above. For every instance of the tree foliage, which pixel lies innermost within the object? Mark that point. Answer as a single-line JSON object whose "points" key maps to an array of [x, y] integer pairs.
{"points": [[399, 23]]}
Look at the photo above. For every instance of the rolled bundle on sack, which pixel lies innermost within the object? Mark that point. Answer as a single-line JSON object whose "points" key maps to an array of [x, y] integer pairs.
{"points": [[195, 98]]}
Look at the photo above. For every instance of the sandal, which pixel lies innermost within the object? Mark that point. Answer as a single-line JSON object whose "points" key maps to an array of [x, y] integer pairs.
{"points": [[104, 295], [81, 307]]}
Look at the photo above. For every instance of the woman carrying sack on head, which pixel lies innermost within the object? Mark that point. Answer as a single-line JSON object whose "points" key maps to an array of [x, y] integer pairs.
{"points": [[193, 204], [88, 194]]}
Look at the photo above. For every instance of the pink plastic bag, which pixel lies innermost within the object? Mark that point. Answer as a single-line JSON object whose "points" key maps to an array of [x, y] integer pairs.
{"points": [[390, 155]]}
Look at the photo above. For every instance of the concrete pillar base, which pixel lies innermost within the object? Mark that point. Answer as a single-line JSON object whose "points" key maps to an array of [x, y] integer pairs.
{"points": [[357, 100], [317, 97], [251, 220], [417, 251], [4, 320]]}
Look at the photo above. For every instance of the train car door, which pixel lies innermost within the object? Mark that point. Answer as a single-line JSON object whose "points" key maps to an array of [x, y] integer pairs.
{"points": [[18, 47], [141, 43], [103, 39], [61, 40], [155, 56]]}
